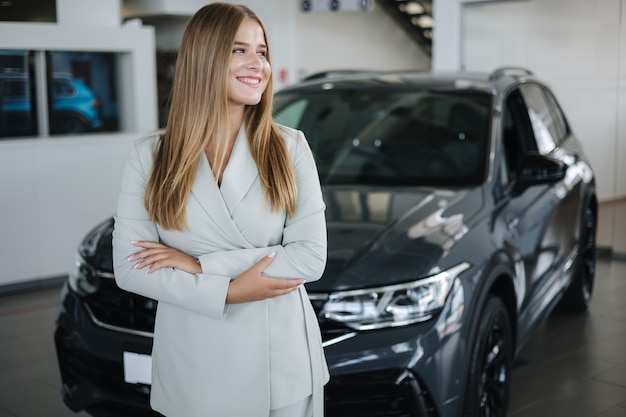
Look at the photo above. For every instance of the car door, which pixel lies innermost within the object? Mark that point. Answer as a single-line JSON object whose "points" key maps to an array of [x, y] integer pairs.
{"points": [[540, 219], [556, 136]]}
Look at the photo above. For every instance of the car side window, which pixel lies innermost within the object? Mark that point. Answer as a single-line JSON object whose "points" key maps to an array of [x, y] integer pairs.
{"points": [[517, 133], [560, 123], [63, 88], [547, 127]]}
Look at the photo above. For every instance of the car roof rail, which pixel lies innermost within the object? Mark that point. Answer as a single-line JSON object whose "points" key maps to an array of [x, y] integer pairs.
{"points": [[502, 71], [335, 73]]}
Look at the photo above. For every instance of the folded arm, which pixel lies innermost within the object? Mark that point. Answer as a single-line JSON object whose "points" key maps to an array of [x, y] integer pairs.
{"points": [[204, 293], [302, 252]]}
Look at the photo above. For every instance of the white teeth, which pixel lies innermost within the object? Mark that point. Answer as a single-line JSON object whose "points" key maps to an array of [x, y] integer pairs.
{"points": [[250, 80]]}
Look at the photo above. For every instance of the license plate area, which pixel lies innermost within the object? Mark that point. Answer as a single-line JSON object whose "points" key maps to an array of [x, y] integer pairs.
{"points": [[137, 368]]}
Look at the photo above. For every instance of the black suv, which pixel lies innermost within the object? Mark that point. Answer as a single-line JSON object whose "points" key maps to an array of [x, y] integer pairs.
{"points": [[461, 211]]}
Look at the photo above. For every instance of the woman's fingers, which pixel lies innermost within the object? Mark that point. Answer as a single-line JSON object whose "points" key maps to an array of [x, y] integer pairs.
{"points": [[156, 256], [148, 244], [263, 263], [150, 248], [279, 284], [253, 286]]}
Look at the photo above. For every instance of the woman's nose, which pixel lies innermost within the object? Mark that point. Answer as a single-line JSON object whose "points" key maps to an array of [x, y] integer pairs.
{"points": [[254, 61]]}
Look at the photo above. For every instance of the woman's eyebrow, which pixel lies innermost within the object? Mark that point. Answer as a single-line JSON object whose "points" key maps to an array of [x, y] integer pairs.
{"points": [[239, 43]]}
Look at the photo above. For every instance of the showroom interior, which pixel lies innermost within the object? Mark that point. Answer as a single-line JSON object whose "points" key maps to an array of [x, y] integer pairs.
{"points": [[55, 186]]}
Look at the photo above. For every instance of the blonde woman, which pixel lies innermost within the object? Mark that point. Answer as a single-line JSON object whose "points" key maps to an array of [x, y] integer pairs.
{"points": [[221, 219]]}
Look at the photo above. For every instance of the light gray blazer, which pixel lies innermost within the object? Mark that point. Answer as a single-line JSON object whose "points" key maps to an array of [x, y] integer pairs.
{"points": [[210, 358]]}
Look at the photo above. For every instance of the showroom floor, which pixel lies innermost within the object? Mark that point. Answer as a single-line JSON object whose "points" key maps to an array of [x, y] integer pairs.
{"points": [[573, 366]]}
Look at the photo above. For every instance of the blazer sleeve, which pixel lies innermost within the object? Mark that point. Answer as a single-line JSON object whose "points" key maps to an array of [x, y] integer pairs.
{"points": [[303, 250], [203, 293]]}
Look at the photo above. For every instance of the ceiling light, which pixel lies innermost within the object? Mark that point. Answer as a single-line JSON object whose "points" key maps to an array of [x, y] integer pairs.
{"points": [[413, 8], [423, 21]]}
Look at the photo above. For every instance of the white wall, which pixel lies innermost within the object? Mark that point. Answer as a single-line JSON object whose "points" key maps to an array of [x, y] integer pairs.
{"points": [[89, 12], [303, 43], [54, 189], [53, 192], [354, 40], [577, 47]]}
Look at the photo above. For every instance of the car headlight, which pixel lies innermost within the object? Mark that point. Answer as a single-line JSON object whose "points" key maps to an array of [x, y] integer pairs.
{"points": [[82, 277], [393, 305]]}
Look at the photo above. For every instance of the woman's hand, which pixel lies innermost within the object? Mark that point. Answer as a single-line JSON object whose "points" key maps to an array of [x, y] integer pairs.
{"points": [[156, 255], [251, 285]]}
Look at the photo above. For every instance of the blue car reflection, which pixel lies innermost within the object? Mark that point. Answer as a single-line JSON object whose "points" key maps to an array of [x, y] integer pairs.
{"points": [[75, 107]]}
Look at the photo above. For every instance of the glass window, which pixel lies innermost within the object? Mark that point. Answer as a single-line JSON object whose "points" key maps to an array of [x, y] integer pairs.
{"points": [[392, 137], [18, 111], [560, 124], [545, 127], [28, 11], [83, 89]]}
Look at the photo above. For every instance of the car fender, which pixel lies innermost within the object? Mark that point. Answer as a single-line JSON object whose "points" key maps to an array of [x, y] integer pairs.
{"points": [[497, 277]]}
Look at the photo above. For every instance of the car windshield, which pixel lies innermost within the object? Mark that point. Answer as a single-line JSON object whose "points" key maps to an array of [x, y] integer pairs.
{"points": [[387, 137]]}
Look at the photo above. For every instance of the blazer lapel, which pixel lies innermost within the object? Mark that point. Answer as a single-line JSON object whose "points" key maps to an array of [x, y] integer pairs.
{"points": [[206, 191], [240, 173]]}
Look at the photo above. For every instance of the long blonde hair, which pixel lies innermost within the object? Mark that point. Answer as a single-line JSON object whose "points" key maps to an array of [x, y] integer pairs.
{"points": [[198, 116]]}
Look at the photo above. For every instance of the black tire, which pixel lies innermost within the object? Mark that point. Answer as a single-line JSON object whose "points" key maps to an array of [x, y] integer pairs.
{"points": [[577, 297], [489, 376]]}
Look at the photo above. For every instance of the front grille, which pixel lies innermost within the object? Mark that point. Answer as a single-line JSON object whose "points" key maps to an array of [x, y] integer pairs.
{"points": [[116, 307], [77, 365]]}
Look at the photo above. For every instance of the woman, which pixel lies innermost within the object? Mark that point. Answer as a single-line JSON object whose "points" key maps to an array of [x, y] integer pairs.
{"points": [[221, 219]]}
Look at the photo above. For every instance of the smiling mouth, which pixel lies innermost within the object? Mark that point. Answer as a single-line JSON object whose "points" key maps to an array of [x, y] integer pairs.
{"points": [[250, 81]]}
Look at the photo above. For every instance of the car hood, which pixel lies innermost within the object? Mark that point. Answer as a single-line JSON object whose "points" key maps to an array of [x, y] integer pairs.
{"points": [[375, 236], [386, 236]]}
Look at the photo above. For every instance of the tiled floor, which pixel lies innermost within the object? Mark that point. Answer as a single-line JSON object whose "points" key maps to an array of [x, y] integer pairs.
{"points": [[574, 366]]}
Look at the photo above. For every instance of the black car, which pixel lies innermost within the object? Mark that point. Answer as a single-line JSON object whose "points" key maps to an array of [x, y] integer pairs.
{"points": [[461, 211]]}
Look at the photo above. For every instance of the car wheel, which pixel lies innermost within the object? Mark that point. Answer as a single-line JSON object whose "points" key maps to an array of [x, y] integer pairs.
{"points": [[71, 124], [578, 295], [489, 377]]}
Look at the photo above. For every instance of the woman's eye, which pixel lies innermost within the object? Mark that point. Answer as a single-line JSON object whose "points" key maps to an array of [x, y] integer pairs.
{"points": [[262, 54], [238, 51]]}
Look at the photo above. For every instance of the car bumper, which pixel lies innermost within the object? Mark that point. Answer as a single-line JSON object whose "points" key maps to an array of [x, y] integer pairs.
{"points": [[91, 363], [388, 393], [371, 374]]}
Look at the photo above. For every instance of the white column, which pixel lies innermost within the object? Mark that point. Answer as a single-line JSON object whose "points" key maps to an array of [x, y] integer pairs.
{"points": [[446, 50], [89, 12]]}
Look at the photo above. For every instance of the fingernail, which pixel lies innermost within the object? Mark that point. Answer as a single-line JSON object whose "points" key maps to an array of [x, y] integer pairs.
{"points": [[271, 255], [130, 258], [133, 242]]}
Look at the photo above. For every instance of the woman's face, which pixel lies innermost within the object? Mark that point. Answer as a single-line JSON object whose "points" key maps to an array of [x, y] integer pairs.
{"points": [[249, 69]]}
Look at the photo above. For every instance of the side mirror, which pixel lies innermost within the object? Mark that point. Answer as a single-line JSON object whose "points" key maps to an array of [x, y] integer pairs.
{"points": [[535, 169]]}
